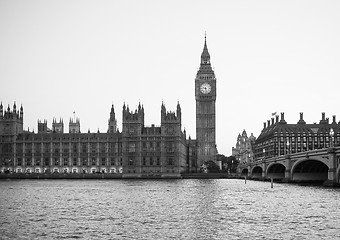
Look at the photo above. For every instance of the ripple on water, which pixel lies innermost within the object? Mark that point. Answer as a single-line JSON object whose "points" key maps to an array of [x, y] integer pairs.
{"points": [[175, 209]]}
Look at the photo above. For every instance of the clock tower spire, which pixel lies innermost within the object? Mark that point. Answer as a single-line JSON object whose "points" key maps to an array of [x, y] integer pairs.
{"points": [[205, 93]]}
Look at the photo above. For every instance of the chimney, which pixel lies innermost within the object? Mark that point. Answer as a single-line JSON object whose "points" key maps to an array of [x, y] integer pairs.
{"points": [[272, 121], [268, 123], [323, 116], [264, 125], [277, 118], [334, 119], [301, 121]]}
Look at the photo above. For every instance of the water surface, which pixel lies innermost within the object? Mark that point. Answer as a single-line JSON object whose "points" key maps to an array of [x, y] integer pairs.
{"points": [[166, 209]]}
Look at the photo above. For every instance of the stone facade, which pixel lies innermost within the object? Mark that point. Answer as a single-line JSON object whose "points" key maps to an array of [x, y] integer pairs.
{"points": [[136, 151], [205, 92], [243, 151], [280, 138]]}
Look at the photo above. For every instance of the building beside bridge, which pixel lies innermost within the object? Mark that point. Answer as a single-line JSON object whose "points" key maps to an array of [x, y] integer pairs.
{"points": [[280, 138], [243, 150], [296, 152]]}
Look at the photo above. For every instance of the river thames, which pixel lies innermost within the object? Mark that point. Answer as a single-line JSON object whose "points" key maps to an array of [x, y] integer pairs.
{"points": [[166, 209]]}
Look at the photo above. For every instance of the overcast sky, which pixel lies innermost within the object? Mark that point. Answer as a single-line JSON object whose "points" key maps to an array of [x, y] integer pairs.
{"points": [[57, 57]]}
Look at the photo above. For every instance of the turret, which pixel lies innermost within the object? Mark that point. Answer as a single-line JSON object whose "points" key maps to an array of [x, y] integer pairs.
{"points": [[169, 116], [74, 126], [179, 112], [58, 127], [21, 112], [133, 122], [1, 110], [11, 123], [42, 126], [112, 128], [14, 108]]}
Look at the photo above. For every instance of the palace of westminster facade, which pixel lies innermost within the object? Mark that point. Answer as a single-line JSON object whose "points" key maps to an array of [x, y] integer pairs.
{"points": [[136, 151]]}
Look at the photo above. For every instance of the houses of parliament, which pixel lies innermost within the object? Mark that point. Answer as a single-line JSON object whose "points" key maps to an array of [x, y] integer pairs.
{"points": [[135, 151]]}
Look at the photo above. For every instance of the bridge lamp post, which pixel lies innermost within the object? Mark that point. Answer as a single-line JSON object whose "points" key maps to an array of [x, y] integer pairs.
{"points": [[331, 133]]}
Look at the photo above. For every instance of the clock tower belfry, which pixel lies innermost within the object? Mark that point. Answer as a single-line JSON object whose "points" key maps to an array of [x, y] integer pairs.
{"points": [[205, 93]]}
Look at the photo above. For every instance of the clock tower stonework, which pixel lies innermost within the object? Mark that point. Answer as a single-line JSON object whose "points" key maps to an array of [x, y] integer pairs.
{"points": [[205, 93]]}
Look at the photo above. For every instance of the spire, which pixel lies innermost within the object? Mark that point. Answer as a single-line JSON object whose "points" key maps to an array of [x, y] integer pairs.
{"points": [[205, 59], [205, 54], [14, 107]]}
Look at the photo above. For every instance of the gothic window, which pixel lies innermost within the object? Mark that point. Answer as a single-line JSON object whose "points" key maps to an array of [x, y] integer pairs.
{"points": [[74, 161], [37, 162], [151, 161], [112, 161], [144, 161], [93, 162], [93, 147], [132, 147], [19, 161], [130, 162], [47, 162], [103, 161], [102, 147], [84, 147], [84, 161], [170, 161], [65, 161], [28, 162]]}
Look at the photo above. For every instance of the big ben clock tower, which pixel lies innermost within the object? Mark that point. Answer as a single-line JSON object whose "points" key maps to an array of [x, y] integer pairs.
{"points": [[205, 92]]}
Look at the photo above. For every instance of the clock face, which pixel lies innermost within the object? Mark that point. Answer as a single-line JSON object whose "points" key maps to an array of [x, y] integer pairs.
{"points": [[205, 88]]}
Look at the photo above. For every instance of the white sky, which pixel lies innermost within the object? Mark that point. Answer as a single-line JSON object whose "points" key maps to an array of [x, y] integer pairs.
{"points": [[57, 57]]}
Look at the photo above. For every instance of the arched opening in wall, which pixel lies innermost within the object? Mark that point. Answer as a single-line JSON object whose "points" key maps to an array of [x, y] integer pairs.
{"points": [[310, 171], [257, 172], [276, 171], [244, 172]]}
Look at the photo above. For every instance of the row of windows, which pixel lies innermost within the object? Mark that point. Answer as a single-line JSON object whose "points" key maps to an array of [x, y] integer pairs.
{"points": [[67, 162], [152, 161], [39, 146]]}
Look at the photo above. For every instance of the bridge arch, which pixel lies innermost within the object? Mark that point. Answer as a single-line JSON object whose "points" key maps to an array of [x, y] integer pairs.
{"points": [[315, 169], [244, 172], [276, 171], [256, 172]]}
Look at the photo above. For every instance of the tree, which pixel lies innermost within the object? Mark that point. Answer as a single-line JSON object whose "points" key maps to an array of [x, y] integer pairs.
{"points": [[232, 163], [223, 160], [212, 166]]}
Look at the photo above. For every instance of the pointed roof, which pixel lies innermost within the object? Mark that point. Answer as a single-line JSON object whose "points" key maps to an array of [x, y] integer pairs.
{"points": [[205, 66], [205, 54]]}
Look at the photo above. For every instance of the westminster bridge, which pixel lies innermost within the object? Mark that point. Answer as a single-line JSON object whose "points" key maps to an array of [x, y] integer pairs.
{"points": [[316, 165]]}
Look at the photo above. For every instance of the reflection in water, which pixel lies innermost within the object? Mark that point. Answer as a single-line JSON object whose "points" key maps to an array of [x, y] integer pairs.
{"points": [[165, 209]]}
